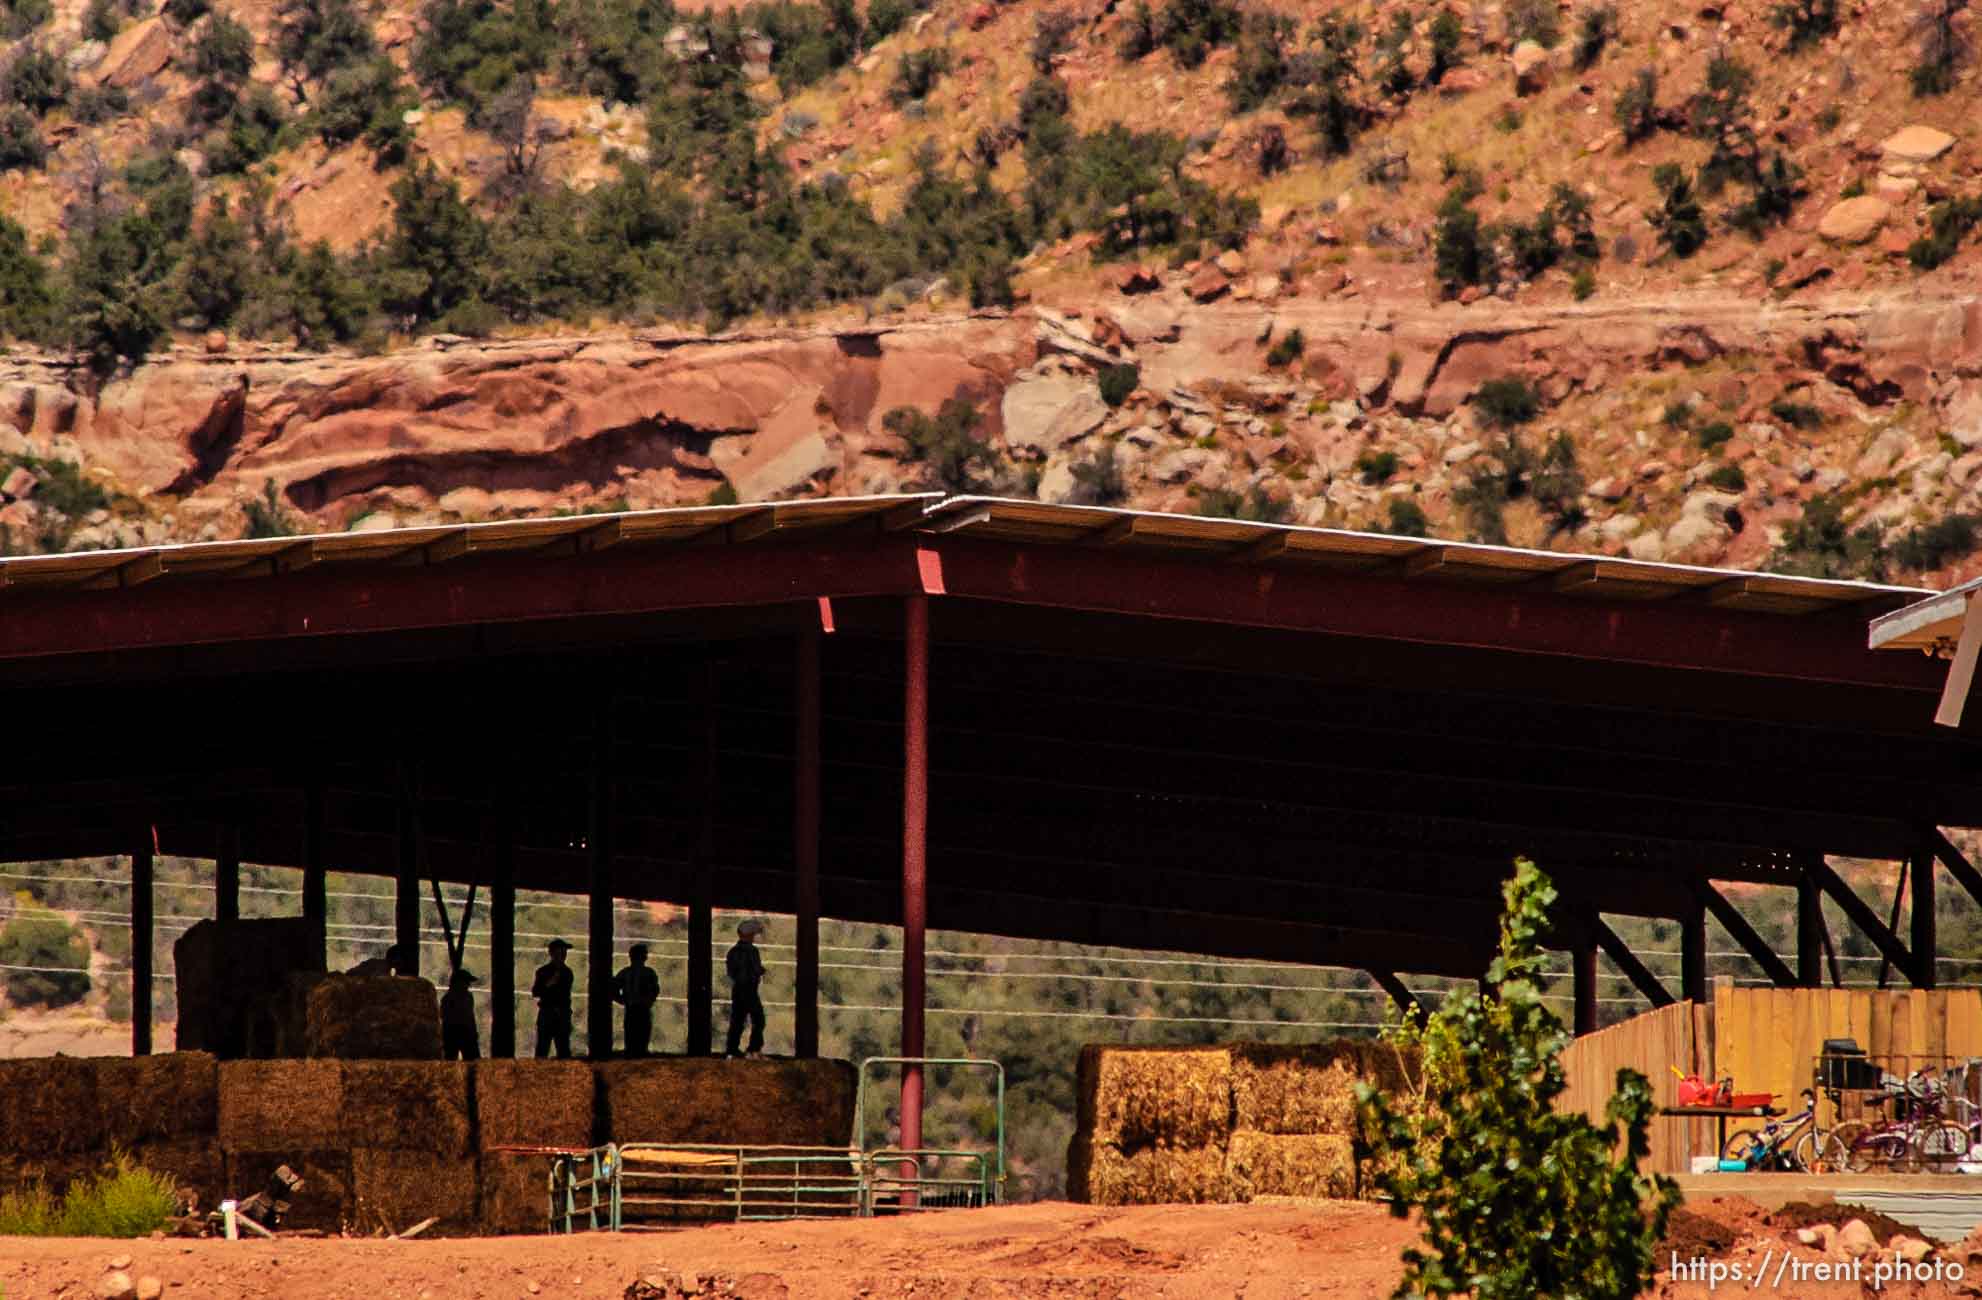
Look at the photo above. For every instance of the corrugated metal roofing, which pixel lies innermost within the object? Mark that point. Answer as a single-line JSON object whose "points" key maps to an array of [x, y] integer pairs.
{"points": [[998, 519]]}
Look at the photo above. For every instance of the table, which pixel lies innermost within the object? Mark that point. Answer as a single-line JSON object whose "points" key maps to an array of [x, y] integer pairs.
{"points": [[1720, 1113]]}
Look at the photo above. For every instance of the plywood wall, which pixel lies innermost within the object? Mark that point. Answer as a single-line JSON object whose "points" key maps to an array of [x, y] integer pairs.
{"points": [[1679, 1035], [1768, 1039]]}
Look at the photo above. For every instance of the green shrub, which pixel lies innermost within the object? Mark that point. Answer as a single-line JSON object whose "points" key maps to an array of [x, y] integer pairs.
{"points": [[186, 12], [1557, 485], [916, 74], [267, 515], [1288, 349], [21, 145], [124, 1199], [1938, 544], [1191, 29], [1098, 480], [26, 296], [1728, 478], [1949, 223], [1446, 38], [95, 105], [1679, 220], [1678, 415], [723, 494], [1142, 36], [1713, 435], [1565, 1211], [1407, 519], [1261, 66], [1255, 506], [315, 38], [1507, 402], [1583, 284], [1376, 467], [1463, 251], [1637, 109], [1799, 415], [947, 444], [1820, 544], [1941, 44], [1808, 22], [102, 20], [1052, 34], [1596, 28], [1117, 382], [366, 101], [39, 938], [37, 80], [23, 16]]}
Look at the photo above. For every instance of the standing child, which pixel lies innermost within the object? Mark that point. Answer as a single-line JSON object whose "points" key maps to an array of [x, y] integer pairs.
{"points": [[746, 972]]}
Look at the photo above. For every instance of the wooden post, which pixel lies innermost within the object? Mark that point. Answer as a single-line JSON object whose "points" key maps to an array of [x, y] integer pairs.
{"points": [[502, 941], [805, 848], [406, 896], [316, 901], [915, 862], [1585, 967], [1693, 954], [600, 892], [227, 875], [141, 940], [1923, 939], [701, 983]]}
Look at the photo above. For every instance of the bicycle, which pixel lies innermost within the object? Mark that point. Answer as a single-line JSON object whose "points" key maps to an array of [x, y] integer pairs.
{"points": [[1791, 1145], [1916, 1133]]}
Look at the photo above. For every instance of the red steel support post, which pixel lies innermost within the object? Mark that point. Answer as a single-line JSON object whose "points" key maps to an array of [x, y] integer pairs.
{"points": [[141, 945], [805, 849], [915, 852]]}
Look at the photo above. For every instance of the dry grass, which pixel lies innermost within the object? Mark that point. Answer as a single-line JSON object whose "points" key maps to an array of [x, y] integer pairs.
{"points": [[1275, 1164], [1296, 1088], [534, 1103], [1137, 1097], [374, 1017]]}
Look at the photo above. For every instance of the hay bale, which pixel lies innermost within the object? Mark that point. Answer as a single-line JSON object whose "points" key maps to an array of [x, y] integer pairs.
{"points": [[1138, 1096], [224, 969], [1386, 1068], [50, 1106], [1305, 1165], [195, 1165], [535, 1103], [324, 1203], [1296, 1088], [396, 1189], [707, 1099], [512, 1193], [407, 1106], [367, 1017], [269, 1105], [144, 1098], [1099, 1173]]}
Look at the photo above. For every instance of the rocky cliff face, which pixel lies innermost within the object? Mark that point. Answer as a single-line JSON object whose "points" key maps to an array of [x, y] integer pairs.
{"points": [[1877, 397]]}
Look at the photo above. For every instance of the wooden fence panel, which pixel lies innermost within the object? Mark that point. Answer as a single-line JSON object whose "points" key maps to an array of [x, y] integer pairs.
{"points": [[1677, 1035], [1767, 1039]]}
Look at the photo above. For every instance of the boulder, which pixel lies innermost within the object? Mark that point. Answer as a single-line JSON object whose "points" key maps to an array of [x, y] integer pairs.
{"points": [[1208, 283], [1856, 1240], [138, 53], [1916, 144], [1135, 279], [1530, 67], [1232, 262], [789, 451], [1462, 81], [1044, 413], [1911, 1249], [1853, 221]]}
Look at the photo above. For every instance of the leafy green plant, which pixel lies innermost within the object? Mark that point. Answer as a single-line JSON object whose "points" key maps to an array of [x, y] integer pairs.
{"points": [[1637, 108], [1518, 1201], [124, 1199], [1583, 284], [267, 515], [44, 959], [1098, 480], [20, 17], [916, 74], [1288, 349], [1407, 519], [21, 145], [1117, 382], [1949, 223], [1446, 38], [1800, 415], [1376, 467], [1679, 220], [37, 80], [1539, 21], [1728, 478], [1808, 22], [1821, 544], [1942, 46], [1507, 402], [1932, 546], [1596, 28], [1052, 34], [1463, 251], [946, 444], [1713, 435]]}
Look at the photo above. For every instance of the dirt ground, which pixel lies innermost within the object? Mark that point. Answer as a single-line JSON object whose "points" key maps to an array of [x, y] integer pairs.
{"points": [[1065, 1252]]}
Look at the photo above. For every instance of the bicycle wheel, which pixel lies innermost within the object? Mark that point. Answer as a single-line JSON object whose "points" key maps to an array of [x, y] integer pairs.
{"points": [[1818, 1152], [1745, 1145], [1939, 1146], [1862, 1148]]}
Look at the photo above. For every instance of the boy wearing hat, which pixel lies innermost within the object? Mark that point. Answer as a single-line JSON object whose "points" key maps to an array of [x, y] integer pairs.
{"points": [[637, 988], [746, 972], [459, 1039], [552, 989]]}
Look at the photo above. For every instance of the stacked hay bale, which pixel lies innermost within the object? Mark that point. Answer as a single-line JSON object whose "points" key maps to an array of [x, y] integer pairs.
{"points": [[1229, 1123], [527, 1104], [408, 1127], [1153, 1126], [371, 1017], [274, 1113], [1294, 1118], [758, 1103], [165, 1112], [51, 1128]]}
